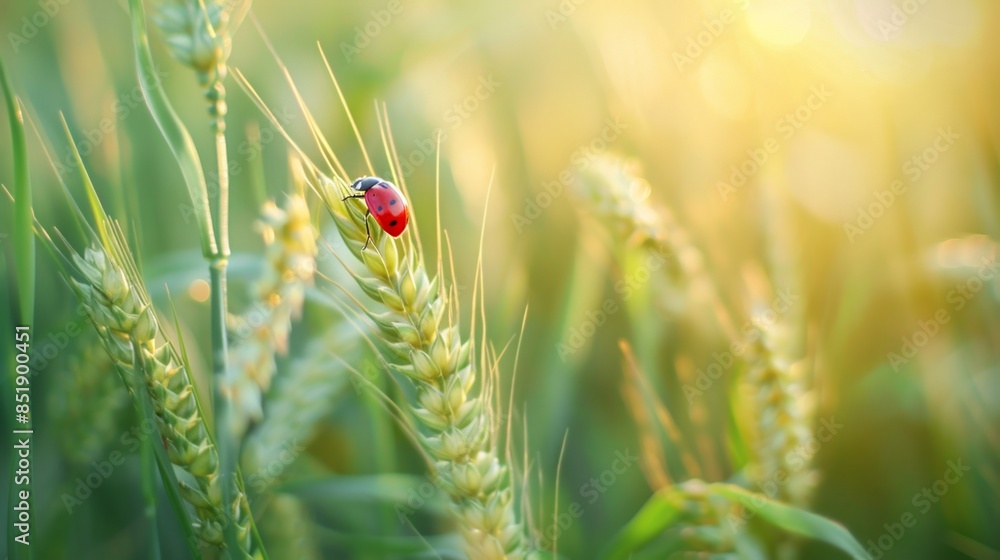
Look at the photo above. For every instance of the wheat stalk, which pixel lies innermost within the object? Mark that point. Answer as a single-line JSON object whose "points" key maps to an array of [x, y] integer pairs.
{"points": [[108, 286]]}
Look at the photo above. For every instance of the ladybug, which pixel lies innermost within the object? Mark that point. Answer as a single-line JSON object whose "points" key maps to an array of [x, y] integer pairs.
{"points": [[385, 202]]}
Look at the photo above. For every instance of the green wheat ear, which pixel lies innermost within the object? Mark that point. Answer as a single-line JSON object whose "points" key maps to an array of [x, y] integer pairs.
{"points": [[199, 34], [263, 331], [422, 342], [780, 403], [107, 284]]}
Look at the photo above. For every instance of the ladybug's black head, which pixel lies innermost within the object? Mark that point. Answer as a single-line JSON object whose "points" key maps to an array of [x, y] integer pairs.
{"points": [[365, 183]]}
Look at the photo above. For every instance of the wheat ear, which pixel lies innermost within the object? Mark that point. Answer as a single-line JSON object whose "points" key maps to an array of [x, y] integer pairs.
{"points": [[614, 191], [263, 331], [111, 292], [784, 421], [456, 430]]}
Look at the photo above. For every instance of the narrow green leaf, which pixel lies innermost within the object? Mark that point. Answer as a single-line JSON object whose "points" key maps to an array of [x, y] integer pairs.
{"points": [[657, 515], [173, 129], [384, 488], [793, 519], [447, 546], [24, 239], [96, 209]]}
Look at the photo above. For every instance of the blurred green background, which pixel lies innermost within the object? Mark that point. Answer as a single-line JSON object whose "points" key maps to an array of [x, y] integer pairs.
{"points": [[822, 104]]}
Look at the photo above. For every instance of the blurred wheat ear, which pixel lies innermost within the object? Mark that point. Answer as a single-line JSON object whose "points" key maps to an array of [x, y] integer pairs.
{"points": [[87, 404], [264, 329], [416, 319]]}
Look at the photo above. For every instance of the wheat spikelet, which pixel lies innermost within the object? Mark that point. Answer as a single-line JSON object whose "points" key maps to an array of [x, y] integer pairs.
{"points": [[198, 33], [456, 430], [86, 404], [111, 292], [784, 421], [704, 530]]}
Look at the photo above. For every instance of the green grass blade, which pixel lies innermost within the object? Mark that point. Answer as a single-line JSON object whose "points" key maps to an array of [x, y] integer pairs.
{"points": [[656, 516], [793, 519], [24, 239], [445, 547], [96, 209], [173, 129], [24, 265]]}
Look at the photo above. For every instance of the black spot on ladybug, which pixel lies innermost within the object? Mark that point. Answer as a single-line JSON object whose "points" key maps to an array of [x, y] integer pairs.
{"points": [[379, 209], [391, 202], [392, 223]]}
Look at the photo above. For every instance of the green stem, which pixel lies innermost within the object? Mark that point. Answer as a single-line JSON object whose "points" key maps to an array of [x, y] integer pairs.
{"points": [[223, 161], [226, 439], [148, 472], [224, 436]]}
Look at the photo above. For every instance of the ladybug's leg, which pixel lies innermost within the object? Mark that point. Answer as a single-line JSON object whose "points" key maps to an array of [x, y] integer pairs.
{"points": [[368, 231], [352, 196]]}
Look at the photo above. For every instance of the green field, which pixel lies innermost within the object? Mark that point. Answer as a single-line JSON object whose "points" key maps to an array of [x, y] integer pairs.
{"points": [[686, 280]]}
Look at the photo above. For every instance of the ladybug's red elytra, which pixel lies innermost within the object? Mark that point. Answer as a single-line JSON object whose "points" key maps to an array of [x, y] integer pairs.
{"points": [[385, 202]]}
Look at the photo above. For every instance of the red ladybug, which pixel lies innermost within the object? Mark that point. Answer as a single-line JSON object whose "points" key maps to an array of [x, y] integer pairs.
{"points": [[385, 202]]}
